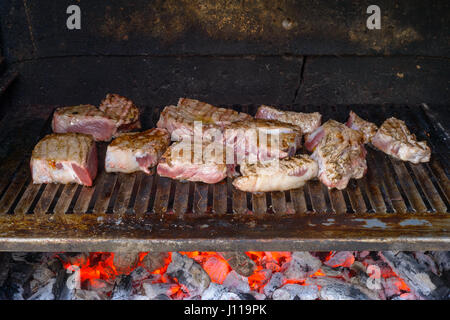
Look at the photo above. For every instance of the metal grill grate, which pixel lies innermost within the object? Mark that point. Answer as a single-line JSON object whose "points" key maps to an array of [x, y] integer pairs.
{"points": [[130, 206]]}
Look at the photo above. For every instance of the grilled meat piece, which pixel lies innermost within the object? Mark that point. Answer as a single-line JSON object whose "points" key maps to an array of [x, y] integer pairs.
{"points": [[208, 164], [276, 175], [136, 151], [339, 152], [179, 120], [261, 139], [84, 119], [64, 158], [396, 140], [122, 110], [308, 122], [368, 129]]}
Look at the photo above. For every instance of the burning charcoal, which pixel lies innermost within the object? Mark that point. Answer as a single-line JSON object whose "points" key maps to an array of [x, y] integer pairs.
{"points": [[363, 254], [139, 274], [236, 283], [406, 296], [74, 258], [302, 265], [340, 259], [125, 262], [362, 278], [422, 281], [161, 297], [216, 268], [392, 286], [152, 290], [335, 289], [214, 291], [101, 286], [427, 261], [154, 260], [275, 282], [230, 296], [138, 297], [293, 291], [442, 259], [122, 288], [333, 272], [44, 292], [240, 262], [246, 296], [188, 273], [87, 295]]}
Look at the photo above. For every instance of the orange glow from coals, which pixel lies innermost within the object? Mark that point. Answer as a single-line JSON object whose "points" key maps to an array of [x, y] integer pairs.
{"points": [[99, 267]]}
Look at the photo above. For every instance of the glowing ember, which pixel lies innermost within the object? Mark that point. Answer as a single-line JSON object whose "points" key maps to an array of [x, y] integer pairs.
{"points": [[97, 270]]}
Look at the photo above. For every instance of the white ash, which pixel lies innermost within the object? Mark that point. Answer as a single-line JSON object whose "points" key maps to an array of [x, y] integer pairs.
{"points": [[302, 265], [236, 283], [292, 291], [275, 282], [152, 290]]}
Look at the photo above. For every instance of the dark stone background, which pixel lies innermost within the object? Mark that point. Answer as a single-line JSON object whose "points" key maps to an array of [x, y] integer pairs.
{"points": [[227, 52]]}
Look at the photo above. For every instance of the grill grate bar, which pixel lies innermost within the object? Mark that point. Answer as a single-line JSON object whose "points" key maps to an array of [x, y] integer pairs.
{"points": [[389, 186]]}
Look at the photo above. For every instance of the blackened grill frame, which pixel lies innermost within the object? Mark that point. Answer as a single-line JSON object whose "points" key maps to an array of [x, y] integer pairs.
{"points": [[397, 206]]}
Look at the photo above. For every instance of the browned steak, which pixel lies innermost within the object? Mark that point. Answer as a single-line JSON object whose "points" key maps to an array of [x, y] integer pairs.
{"points": [[136, 151], [308, 122], [122, 110], [64, 158], [179, 120], [84, 119], [339, 152], [368, 129], [395, 139]]}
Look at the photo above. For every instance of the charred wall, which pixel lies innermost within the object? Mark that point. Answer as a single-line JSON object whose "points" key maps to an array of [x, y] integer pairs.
{"points": [[227, 52]]}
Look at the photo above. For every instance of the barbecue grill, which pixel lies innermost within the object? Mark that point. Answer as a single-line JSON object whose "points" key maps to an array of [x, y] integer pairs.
{"points": [[396, 206]]}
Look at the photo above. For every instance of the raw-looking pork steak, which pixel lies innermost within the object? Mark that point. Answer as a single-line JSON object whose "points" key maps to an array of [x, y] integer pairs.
{"points": [[86, 119], [179, 120], [122, 110], [276, 175], [308, 122], [206, 165], [339, 152], [368, 129], [136, 151], [64, 158], [395, 139]]}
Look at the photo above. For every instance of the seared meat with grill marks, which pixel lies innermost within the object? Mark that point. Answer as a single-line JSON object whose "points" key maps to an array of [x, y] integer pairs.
{"points": [[276, 175], [261, 139], [396, 140], [179, 120], [64, 158], [339, 152], [368, 129], [122, 110], [308, 122], [136, 151], [207, 164], [84, 119]]}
